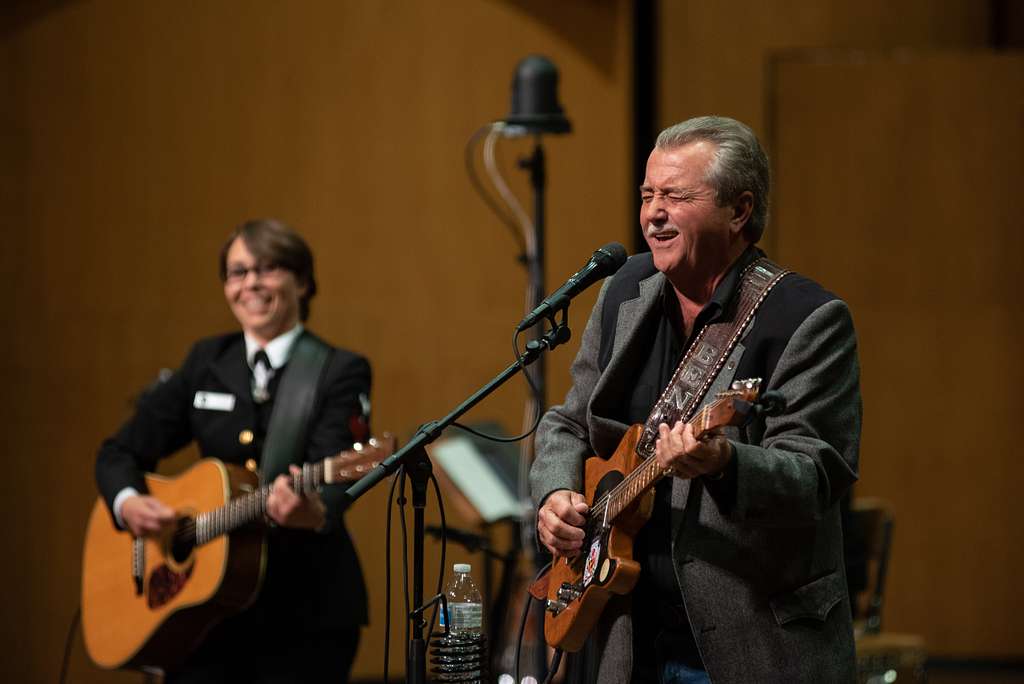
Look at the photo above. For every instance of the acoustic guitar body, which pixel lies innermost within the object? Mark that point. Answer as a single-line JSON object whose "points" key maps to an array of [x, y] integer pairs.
{"points": [[605, 565], [184, 589]]}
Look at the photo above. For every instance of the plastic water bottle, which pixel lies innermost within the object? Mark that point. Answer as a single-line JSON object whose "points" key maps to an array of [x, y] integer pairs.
{"points": [[461, 655], [465, 607]]}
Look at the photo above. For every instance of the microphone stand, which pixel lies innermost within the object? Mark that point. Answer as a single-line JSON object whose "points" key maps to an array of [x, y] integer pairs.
{"points": [[413, 456], [535, 164]]}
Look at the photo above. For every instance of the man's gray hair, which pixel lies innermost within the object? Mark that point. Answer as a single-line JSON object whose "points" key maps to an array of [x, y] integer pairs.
{"points": [[739, 164]]}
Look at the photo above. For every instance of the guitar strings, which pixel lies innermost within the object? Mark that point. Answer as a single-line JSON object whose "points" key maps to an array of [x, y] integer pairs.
{"points": [[748, 304], [647, 468], [242, 509]]}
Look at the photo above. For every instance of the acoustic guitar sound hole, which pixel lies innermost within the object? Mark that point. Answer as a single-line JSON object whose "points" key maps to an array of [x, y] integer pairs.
{"points": [[184, 540]]}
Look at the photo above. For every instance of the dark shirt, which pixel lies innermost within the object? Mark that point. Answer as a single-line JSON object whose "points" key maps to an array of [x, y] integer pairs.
{"points": [[657, 600]]}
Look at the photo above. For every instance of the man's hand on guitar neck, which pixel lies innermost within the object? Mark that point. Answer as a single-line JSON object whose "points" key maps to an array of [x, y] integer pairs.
{"points": [[288, 509], [146, 516], [560, 522], [679, 452]]}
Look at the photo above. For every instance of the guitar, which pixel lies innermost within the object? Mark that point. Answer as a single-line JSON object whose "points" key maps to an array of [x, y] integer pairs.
{"points": [[620, 494], [150, 601]]}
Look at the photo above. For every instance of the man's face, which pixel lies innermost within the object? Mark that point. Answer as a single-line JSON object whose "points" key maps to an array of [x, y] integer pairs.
{"points": [[688, 233], [265, 303]]}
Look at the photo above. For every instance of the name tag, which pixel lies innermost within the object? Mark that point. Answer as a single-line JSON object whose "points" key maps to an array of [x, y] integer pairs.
{"points": [[214, 401]]}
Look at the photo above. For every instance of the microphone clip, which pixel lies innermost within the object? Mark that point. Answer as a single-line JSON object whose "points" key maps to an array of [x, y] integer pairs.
{"points": [[557, 334]]}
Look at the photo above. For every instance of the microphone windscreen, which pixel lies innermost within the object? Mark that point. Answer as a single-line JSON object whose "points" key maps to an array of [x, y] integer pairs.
{"points": [[535, 106], [614, 256]]}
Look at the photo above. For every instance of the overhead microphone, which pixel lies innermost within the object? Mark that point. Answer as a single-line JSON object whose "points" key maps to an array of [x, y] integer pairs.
{"points": [[604, 262], [535, 107]]}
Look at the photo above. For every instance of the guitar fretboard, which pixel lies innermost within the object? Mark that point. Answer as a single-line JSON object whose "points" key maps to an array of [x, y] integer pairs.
{"points": [[244, 509], [614, 501]]}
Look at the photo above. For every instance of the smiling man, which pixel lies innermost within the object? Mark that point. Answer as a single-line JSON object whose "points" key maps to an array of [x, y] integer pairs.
{"points": [[304, 626], [742, 576]]}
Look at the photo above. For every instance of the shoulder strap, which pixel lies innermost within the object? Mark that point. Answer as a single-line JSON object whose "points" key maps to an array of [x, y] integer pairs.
{"points": [[706, 356], [293, 406]]}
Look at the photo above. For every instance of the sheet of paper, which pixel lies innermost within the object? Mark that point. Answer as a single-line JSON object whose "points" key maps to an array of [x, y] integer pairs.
{"points": [[469, 470]]}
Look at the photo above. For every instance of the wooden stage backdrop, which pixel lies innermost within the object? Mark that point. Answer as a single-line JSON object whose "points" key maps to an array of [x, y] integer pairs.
{"points": [[134, 136]]}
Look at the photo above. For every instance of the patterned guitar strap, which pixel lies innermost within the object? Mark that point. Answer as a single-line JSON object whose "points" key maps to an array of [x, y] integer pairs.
{"points": [[706, 356]]}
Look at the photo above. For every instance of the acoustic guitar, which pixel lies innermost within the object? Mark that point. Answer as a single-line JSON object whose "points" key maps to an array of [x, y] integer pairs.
{"points": [[150, 601], [620, 493]]}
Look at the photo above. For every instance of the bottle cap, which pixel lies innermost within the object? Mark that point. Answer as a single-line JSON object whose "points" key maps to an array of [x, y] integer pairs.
{"points": [[462, 567]]}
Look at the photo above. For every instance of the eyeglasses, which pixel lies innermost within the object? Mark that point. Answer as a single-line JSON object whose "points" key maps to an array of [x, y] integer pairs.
{"points": [[238, 273]]}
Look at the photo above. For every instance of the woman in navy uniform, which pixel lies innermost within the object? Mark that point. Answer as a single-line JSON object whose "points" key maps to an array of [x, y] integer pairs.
{"points": [[304, 625]]}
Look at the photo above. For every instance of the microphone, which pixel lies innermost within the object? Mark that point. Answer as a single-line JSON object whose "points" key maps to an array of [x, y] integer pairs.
{"points": [[535, 106], [604, 262]]}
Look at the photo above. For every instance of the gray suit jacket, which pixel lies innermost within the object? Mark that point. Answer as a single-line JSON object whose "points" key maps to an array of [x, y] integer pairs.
{"points": [[761, 571]]}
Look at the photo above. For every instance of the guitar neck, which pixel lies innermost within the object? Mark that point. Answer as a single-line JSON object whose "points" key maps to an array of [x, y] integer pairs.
{"points": [[729, 408], [247, 508], [649, 472]]}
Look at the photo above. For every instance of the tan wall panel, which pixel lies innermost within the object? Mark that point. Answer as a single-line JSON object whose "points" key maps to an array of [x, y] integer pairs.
{"points": [[895, 186], [135, 135], [713, 54]]}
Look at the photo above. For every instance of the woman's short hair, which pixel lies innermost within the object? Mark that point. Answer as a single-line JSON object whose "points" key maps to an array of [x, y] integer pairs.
{"points": [[273, 242]]}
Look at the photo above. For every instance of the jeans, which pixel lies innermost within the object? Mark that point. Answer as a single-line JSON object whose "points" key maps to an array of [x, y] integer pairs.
{"points": [[674, 672], [671, 670]]}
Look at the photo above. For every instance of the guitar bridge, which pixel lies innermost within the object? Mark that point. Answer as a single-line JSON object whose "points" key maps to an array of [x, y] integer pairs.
{"points": [[569, 592], [138, 564], [555, 607]]}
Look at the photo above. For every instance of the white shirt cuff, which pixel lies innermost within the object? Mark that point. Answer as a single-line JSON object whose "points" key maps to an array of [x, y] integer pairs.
{"points": [[119, 502]]}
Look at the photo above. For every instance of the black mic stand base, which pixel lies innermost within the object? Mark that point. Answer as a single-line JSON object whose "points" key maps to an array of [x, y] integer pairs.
{"points": [[419, 469]]}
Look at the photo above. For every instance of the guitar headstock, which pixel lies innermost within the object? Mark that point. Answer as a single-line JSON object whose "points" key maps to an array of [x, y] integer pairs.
{"points": [[746, 390], [349, 466], [732, 407]]}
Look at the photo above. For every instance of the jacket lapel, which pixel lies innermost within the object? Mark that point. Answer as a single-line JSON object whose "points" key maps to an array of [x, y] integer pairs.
{"points": [[231, 369], [615, 380]]}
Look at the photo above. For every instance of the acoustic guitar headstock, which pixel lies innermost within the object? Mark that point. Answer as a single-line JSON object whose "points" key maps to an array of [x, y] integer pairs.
{"points": [[349, 466]]}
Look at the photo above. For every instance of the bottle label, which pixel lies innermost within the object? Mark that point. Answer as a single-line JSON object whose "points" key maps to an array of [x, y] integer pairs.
{"points": [[465, 616]]}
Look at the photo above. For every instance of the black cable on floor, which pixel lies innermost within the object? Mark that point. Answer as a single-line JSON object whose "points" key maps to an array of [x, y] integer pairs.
{"points": [[76, 619]]}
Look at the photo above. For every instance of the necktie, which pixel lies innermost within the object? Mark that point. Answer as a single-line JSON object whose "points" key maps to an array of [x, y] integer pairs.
{"points": [[262, 372]]}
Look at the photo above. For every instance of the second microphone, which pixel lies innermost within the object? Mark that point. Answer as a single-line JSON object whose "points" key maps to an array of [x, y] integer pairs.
{"points": [[604, 262]]}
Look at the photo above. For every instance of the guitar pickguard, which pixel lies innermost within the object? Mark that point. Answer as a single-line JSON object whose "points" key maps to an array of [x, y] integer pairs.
{"points": [[165, 584]]}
